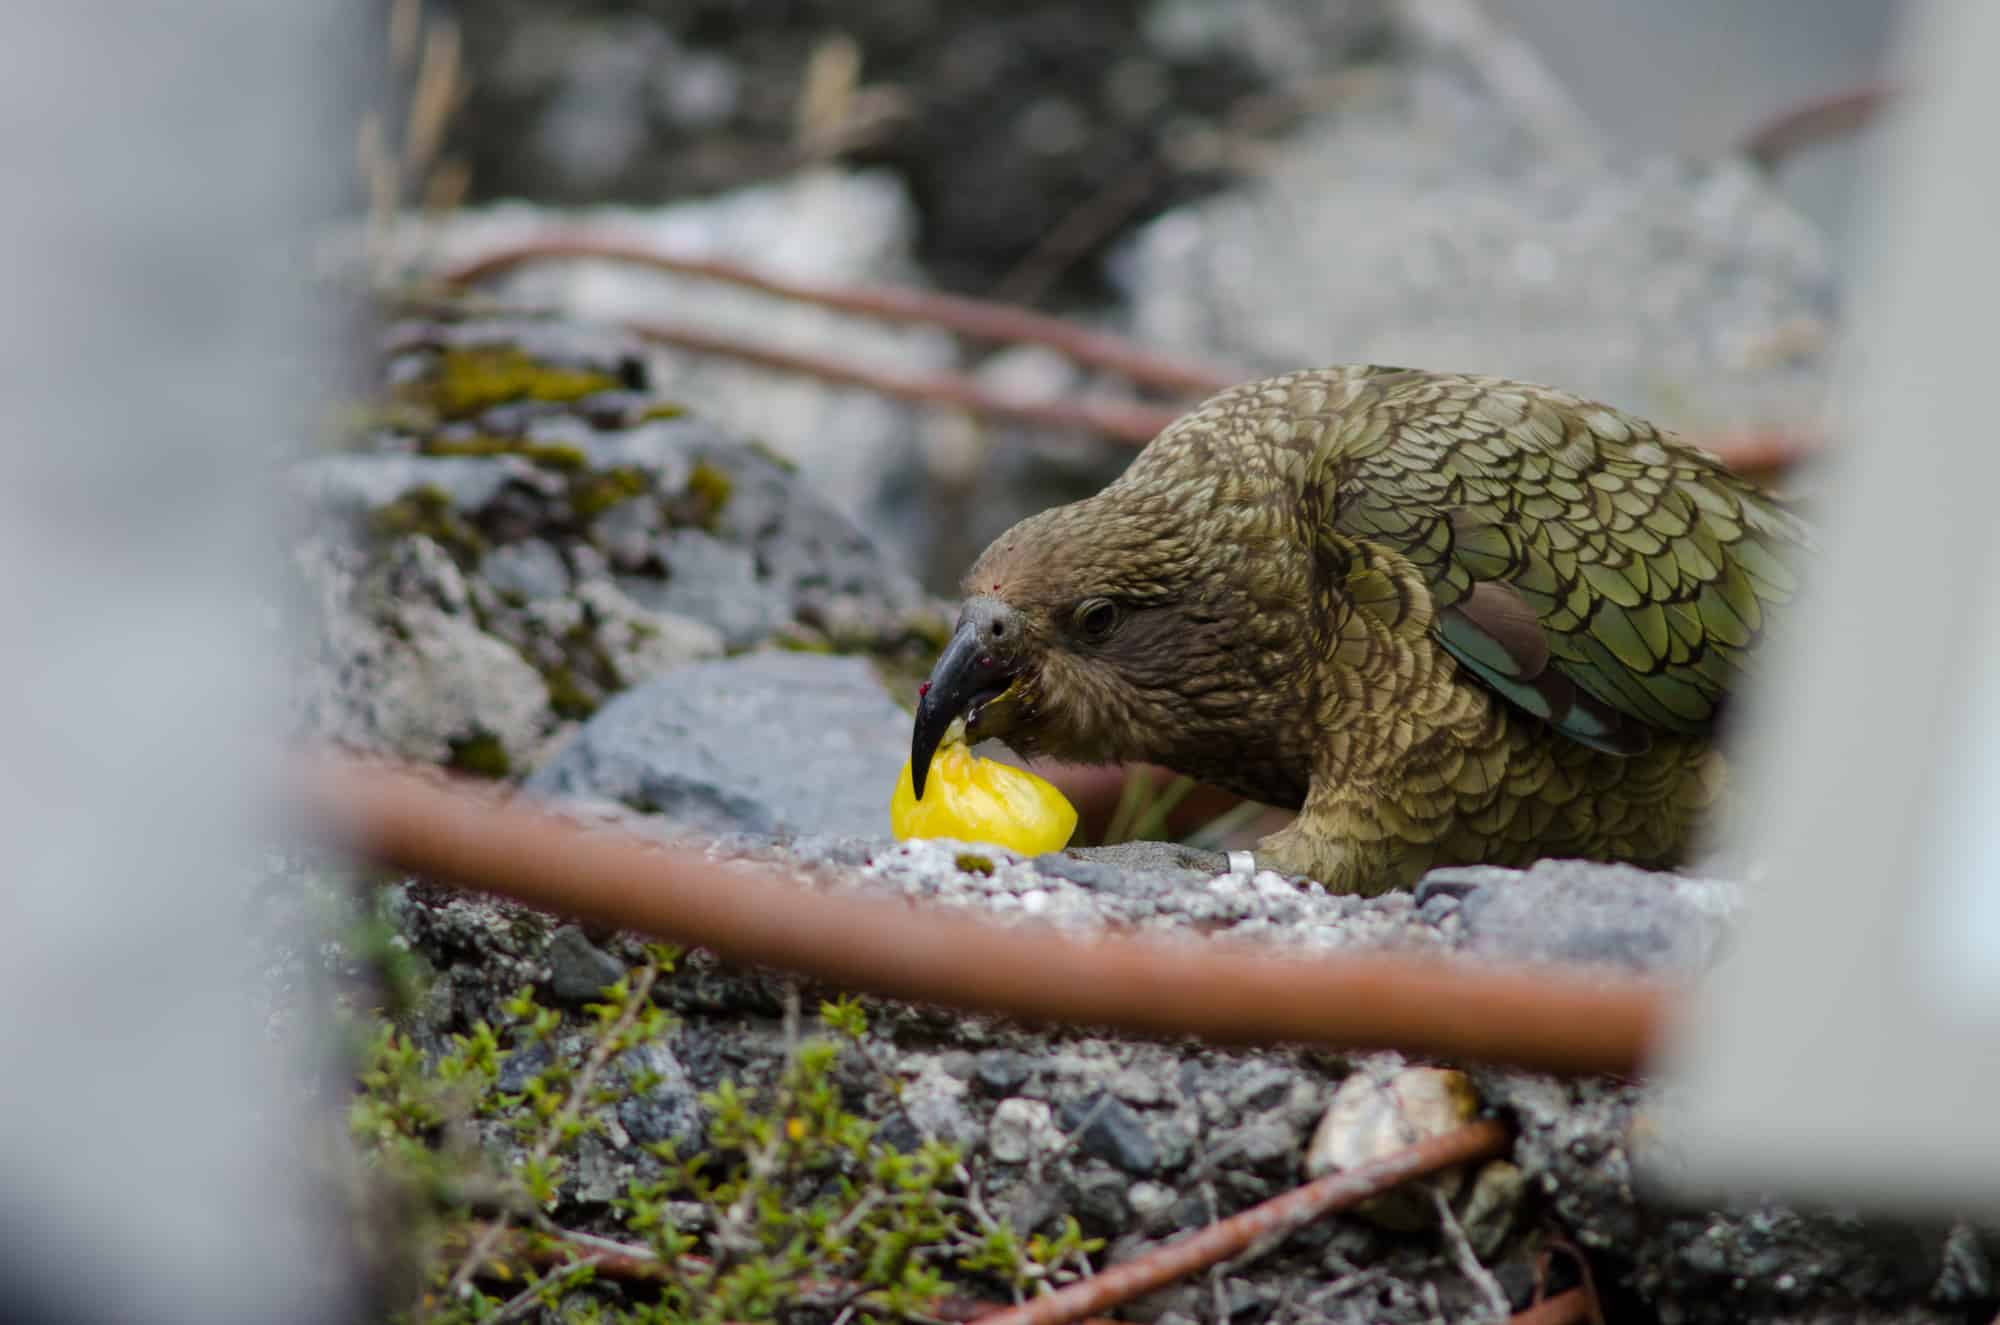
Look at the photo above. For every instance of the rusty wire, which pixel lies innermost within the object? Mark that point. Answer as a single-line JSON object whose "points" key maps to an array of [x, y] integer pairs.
{"points": [[1132, 423], [1813, 121], [1562, 1309], [979, 318], [1225, 992], [1268, 1219], [1127, 421]]}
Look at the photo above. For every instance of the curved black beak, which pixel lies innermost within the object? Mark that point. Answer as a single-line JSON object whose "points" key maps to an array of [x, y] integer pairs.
{"points": [[976, 666]]}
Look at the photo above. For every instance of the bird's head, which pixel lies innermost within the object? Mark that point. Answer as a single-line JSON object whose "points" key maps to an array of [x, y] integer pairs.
{"points": [[1123, 627]]}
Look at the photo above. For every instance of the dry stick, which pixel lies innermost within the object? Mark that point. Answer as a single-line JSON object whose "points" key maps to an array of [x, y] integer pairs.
{"points": [[1121, 420], [1562, 1309], [525, 1300], [1226, 992], [1269, 1219], [982, 319], [1468, 1259]]}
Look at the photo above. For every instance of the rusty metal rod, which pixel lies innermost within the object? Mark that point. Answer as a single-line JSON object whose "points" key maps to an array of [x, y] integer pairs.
{"points": [[1814, 120], [983, 319], [1226, 992], [1129, 422], [1275, 1217], [1562, 1309], [1125, 421]]}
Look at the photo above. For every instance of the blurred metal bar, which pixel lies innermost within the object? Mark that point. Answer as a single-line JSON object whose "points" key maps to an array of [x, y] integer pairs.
{"points": [[1224, 992]]}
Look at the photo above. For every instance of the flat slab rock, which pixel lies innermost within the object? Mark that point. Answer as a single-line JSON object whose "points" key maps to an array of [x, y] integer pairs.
{"points": [[765, 743]]}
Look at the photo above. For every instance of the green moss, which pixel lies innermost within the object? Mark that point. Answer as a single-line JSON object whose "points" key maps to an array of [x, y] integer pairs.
{"points": [[709, 489], [567, 696], [764, 451], [481, 755], [969, 863], [662, 409], [427, 510], [593, 493], [700, 503], [547, 455], [795, 640], [469, 379]]}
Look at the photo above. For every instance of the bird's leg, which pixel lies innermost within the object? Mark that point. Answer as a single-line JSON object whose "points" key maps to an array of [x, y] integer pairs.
{"points": [[1322, 844]]}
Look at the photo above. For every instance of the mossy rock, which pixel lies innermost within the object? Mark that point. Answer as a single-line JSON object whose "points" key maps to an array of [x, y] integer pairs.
{"points": [[470, 379], [427, 510]]}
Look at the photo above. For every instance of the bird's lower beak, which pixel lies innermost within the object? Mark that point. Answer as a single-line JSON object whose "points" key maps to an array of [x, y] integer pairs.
{"points": [[970, 674]]}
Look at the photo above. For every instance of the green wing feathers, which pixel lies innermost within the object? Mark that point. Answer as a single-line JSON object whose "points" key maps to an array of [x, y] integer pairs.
{"points": [[1594, 571]]}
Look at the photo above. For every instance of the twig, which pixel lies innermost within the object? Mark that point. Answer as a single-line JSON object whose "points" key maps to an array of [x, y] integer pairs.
{"points": [[1123, 421], [519, 1304], [1228, 992], [1218, 1242], [1468, 1259], [978, 318]]}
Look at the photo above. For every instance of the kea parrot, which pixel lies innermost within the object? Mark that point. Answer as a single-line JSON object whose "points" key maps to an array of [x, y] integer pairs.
{"points": [[1448, 619]]}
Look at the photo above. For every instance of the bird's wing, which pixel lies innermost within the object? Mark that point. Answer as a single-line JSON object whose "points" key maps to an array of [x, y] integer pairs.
{"points": [[1600, 575]]}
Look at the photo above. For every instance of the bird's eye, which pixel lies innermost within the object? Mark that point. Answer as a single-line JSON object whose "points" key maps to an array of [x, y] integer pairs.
{"points": [[1096, 618]]}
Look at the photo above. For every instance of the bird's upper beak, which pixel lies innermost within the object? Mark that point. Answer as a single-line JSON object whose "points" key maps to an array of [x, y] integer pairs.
{"points": [[982, 660]]}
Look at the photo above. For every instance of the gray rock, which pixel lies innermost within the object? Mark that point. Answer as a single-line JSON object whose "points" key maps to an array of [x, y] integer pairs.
{"points": [[578, 969], [1107, 1129], [1097, 1194], [1002, 1071], [530, 570], [714, 582], [1487, 231], [459, 607], [767, 743], [1022, 1130], [855, 448], [671, 1110], [1269, 1142], [1575, 911], [393, 672], [934, 1102], [638, 644]]}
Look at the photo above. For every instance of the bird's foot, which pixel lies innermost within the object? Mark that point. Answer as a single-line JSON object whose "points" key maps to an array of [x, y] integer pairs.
{"points": [[1338, 865], [1154, 856]]}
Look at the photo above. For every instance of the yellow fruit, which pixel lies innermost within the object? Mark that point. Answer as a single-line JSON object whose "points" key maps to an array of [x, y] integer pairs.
{"points": [[981, 800]]}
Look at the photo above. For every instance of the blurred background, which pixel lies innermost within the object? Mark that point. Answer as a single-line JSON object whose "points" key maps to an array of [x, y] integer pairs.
{"points": [[1572, 196]]}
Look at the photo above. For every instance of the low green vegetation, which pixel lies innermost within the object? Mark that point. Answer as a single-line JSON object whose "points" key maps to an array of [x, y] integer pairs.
{"points": [[790, 1207]]}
